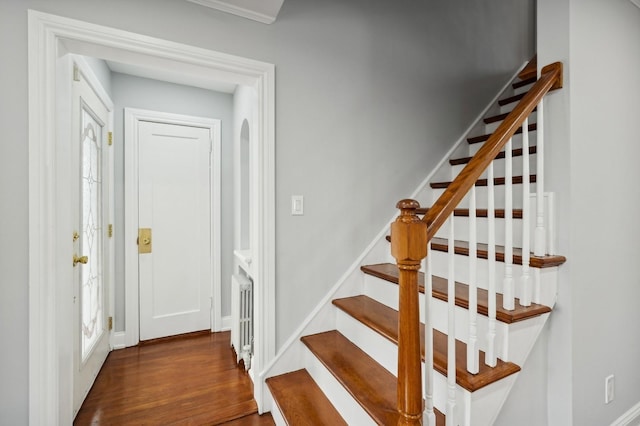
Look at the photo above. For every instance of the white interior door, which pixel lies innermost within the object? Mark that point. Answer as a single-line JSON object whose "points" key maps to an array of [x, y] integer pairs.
{"points": [[175, 256], [90, 195]]}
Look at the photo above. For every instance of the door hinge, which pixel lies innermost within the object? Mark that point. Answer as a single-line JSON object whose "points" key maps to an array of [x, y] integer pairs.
{"points": [[76, 73], [110, 231], [110, 138], [110, 323]]}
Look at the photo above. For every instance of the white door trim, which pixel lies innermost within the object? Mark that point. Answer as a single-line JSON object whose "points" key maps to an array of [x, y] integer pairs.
{"points": [[132, 118], [48, 186]]}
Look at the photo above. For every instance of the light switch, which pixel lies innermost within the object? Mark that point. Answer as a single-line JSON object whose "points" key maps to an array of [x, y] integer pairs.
{"points": [[297, 205]]}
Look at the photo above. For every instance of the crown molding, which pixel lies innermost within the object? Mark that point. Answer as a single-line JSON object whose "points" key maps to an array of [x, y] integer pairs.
{"points": [[266, 12]]}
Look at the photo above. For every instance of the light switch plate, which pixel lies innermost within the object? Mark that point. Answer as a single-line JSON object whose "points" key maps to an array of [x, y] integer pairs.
{"points": [[297, 205]]}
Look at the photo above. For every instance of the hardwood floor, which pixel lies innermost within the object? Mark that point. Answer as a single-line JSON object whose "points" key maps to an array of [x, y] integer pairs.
{"points": [[188, 381]]}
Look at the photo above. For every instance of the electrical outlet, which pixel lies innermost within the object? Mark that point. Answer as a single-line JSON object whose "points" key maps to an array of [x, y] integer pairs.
{"points": [[609, 389]]}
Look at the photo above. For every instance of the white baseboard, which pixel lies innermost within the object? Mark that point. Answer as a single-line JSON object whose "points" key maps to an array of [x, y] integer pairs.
{"points": [[117, 340], [226, 323], [630, 418]]}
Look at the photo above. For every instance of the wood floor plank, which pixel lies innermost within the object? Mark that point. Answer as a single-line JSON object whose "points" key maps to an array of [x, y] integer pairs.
{"points": [[190, 381]]}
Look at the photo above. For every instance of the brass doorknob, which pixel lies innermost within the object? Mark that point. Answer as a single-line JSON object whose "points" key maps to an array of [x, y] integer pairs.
{"points": [[79, 259]]}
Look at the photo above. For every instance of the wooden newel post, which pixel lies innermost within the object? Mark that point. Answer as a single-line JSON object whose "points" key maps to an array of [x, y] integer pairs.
{"points": [[409, 247]]}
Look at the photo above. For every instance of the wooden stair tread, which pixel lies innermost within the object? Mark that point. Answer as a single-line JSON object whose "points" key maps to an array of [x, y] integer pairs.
{"points": [[367, 381], [301, 401], [499, 213], [529, 80], [484, 182], [530, 70], [389, 272], [511, 99], [515, 153], [499, 117], [462, 247], [483, 138], [384, 320]]}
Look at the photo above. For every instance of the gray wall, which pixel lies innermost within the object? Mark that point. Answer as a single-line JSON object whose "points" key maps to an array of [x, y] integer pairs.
{"points": [[143, 93], [593, 165], [101, 71], [370, 95], [605, 200]]}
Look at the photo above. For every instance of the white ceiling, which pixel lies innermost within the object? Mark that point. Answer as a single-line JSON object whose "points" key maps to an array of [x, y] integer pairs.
{"points": [[265, 11]]}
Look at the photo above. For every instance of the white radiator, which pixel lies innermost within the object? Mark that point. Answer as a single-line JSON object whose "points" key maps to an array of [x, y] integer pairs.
{"points": [[242, 318]]}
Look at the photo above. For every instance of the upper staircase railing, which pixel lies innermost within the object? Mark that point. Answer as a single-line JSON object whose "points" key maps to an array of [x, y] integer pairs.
{"points": [[410, 238]]}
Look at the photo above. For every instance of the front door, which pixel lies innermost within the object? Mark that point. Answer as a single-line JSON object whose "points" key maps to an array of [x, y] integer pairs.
{"points": [[90, 259], [174, 217]]}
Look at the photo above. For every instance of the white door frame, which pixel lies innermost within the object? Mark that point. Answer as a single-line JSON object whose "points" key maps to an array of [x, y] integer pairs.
{"points": [[49, 189], [132, 119]]}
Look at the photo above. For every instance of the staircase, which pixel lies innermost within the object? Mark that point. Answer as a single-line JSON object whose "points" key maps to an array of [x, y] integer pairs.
{"points": [[346, 361]]}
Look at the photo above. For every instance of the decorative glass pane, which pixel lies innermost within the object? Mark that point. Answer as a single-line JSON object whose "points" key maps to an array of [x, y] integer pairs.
{"points": [[91, 276]]}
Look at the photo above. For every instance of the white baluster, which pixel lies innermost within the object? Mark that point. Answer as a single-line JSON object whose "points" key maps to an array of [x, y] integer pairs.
{"points": [[429, 413], [451, 330], [472, 345], [507, 284], [490, 356], [525, 279], [540, 235]]}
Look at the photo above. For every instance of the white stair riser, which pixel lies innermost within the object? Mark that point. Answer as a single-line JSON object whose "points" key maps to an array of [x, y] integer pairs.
{"points": [[275, 410], [482, 195], [510, 339], [461, 223], [499, 167], [491, 127], [461, 227], [467, 403], [544, 279], [386, 353], [348, 407], [516, 142], [523, 89], [509, 107]]}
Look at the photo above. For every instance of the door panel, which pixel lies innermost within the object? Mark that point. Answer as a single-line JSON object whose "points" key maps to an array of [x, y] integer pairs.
{"points": [[90, 196], [175, 278]]}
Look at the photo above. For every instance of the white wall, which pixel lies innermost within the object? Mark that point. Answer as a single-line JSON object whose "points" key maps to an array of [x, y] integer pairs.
{"points": [[370, 94], [143, 93]]}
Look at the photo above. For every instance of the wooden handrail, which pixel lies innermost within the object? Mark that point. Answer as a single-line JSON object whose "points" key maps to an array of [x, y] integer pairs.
{"points": [[410, 237], [550, 79]]}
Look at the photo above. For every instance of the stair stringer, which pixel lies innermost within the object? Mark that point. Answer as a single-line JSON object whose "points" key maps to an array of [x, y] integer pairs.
{"points": [[322, 318], [292, 354]]}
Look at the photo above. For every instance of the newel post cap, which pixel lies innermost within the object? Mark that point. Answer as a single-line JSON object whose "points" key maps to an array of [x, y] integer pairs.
{"points": [[408, 234]]}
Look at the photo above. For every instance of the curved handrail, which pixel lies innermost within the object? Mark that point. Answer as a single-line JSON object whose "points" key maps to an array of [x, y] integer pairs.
{"points": [[550, 79]]}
